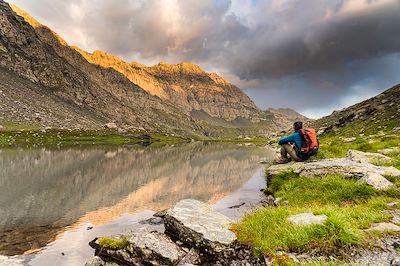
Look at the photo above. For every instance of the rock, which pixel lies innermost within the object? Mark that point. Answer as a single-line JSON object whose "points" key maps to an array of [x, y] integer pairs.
{"points": [[154, 248], [384, 227], [144, 247], [11, 261], [348, 140], [111, 125], [196, 224], [392, 205], [321, 130], [389, 150], [395, 261], [343, 166], [377, 181], [95, 261], [160, 213], [153, 221], [367, 157], [268, 201], [307, 219]]}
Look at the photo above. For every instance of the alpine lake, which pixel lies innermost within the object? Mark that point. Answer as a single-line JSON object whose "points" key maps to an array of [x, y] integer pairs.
{"points": [[54, 201]]}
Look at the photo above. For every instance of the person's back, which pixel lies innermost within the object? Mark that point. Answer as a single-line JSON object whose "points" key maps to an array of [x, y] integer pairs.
{"points": [[291, 146]]}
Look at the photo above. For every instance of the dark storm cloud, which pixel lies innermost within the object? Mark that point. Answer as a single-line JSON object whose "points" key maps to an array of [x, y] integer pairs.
{"points": [[291, 52]]}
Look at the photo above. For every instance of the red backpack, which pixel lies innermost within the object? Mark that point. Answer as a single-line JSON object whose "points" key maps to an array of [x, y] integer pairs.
{"points": [[311, 143]]}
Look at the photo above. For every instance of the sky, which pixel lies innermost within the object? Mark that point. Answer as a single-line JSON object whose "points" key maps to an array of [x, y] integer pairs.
{"points": [[313, 56]]}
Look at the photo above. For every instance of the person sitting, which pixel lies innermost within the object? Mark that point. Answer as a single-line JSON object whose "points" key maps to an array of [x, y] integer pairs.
{"points": [[291, 146]]}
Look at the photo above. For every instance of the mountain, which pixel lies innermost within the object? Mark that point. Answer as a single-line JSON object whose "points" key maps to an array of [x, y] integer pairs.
{"points": [[185, 84], [379, 113], [46, 82], [287, 116]]}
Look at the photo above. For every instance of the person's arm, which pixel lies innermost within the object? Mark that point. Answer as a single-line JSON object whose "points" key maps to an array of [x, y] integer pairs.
{"points": [[287, 139]]}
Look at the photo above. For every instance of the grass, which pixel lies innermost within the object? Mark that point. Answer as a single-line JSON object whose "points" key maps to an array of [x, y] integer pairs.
{"points": [[350, 207], [113, 243], [62, 138]]}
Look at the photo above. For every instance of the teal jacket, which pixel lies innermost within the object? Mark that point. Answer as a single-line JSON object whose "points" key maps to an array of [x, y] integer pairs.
{"points": [[298, 142]]}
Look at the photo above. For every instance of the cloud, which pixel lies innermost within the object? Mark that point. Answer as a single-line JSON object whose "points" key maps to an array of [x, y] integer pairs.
{"points": [[283, 53]]}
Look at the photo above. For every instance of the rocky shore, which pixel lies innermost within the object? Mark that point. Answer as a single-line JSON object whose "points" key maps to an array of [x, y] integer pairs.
{"points": [[193, 233]]}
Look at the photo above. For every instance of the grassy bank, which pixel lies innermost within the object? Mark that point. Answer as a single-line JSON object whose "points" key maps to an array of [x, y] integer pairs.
{"points": [[350, 206], [33, 138]]}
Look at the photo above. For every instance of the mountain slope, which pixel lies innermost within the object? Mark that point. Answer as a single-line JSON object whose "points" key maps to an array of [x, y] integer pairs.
{"points": [[380, 113], [49, 83], [287, 116], [184, 84], [101, 95]]}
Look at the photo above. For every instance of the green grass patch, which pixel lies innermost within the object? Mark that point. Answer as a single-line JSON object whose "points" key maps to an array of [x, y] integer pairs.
{"points": [[113, 243], [66, 138], [333, 146], [349, 205], [335, 189]]}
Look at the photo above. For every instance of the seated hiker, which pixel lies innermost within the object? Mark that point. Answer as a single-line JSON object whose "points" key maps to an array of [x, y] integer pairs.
{"points": [[299, 146]]}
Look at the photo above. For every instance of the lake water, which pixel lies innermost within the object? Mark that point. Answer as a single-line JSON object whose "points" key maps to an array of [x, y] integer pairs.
{"points": [[53, 201]]}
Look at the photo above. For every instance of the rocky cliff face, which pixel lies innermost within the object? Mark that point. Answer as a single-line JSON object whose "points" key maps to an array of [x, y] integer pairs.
{"points": [[67, 90], [185, 85], [378, 113]]}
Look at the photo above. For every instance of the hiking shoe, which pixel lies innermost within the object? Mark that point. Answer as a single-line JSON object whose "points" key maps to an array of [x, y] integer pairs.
{"points": [[282, 161]]}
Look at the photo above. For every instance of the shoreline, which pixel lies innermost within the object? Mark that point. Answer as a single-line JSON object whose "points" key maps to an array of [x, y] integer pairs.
{"points": [[249, 194]]}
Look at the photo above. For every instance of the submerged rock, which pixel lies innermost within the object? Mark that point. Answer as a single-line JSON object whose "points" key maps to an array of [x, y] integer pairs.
{"points": [[196, 224], [97, 261], [307, 219]]}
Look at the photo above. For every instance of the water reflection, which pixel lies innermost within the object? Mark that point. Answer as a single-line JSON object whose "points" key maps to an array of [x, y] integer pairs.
{"points": [[43, 192]]}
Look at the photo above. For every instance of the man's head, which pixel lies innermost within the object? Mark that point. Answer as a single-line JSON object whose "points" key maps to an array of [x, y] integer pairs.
{"points": [[298, 125]]}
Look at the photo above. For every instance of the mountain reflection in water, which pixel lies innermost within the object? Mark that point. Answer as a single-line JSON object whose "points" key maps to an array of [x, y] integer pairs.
{"points": [[45, 192]]}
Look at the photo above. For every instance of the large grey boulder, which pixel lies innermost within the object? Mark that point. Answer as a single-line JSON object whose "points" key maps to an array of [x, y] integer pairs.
{"points": [[348, 167], [196, 224], [143, 246]]}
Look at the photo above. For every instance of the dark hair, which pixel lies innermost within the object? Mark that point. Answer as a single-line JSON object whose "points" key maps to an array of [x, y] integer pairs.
{"points": [[298, 125]]}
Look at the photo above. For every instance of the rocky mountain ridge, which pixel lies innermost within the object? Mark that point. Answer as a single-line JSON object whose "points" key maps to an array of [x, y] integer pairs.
{"points": [[379, 113], [185, 84], [49, 83]]}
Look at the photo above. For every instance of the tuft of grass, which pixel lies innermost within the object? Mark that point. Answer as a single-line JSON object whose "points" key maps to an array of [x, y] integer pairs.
{"points": [[113, 243], [334, 188]]}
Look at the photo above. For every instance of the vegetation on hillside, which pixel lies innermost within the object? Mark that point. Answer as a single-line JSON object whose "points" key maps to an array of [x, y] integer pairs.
{"points": [[350, 206]]}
